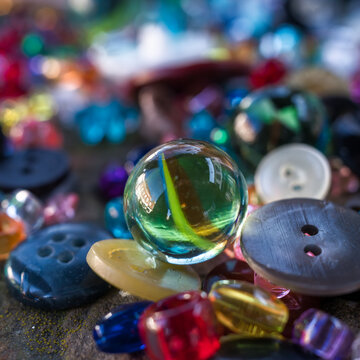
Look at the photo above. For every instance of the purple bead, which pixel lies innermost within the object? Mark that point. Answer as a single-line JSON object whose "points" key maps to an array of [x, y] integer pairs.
{"points": [[112, 181], [323, 335]]}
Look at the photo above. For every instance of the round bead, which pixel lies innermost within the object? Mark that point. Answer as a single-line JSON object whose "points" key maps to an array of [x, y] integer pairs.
{"points": [[185, 201], [293, 243], [180, 327], [247, 309], [115, 219], [125, 265], [274, 116], [112, 181], [294, 170], [323, 335]]}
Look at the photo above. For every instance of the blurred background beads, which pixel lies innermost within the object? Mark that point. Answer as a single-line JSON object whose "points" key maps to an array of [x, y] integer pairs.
{"points": [[115, 219], [112, 181]]}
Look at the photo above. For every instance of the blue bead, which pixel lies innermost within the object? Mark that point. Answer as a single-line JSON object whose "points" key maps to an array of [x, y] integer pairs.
{"points": [[118, 331], [115, 219], [201, 125]]}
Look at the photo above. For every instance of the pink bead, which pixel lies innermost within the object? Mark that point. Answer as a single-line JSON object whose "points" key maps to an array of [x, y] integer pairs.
{"points": [[180, 327], [60, 208], [36, 134]]}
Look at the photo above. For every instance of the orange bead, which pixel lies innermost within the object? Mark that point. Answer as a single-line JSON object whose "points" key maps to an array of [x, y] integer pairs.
{"points": [[12, 232]]}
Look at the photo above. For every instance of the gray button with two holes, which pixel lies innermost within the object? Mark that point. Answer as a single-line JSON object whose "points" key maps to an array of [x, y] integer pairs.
{"points": [[309, 246], [49, 269]]}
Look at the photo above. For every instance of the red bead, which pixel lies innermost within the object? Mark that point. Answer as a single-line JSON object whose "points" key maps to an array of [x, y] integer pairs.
{"points": [[268, 73], [180, 327], [229, 270]]}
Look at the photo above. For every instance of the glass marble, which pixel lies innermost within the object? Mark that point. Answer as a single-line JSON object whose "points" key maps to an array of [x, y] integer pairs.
{"points": [[118, 331], [25, 206], [185, 201], [274, 116], [12, 232], [125, 265], [180, 327], [247, 309], [323, 335], [115, 219], [229, 270]]}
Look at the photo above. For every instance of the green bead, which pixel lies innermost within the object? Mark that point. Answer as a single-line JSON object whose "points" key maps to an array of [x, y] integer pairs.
{"points": [[185, 201]]}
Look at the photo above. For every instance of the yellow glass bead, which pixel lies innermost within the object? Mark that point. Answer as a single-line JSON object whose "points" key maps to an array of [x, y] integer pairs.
{"points": [[247, 309], [127, 266], [12, 232]]}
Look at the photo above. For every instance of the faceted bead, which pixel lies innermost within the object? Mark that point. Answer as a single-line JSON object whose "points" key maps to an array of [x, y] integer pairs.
{"points": [[115, 219], [323, 335], [118, 331], [270, 72], [127, 266], [185, 201], [180, 327], [36, 134], [247, 309], [12, 232], [254, 348], [24, 206], [229, 270], [112, 181], [60, 208]]}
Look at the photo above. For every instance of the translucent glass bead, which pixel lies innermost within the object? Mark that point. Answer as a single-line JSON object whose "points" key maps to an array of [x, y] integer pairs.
{"points": [[115, 219], [185, 201], [247, 309], [60, 208], [323, 335], [180, 327], [112, 181], [118, 331], [24, 206], [12, 232]]}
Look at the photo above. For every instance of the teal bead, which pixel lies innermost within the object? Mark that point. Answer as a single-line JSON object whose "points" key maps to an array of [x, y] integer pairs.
{"points": [[185, 201], [115, 219]]}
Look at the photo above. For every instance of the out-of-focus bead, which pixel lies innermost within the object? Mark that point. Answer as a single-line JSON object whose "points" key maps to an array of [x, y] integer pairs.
{"points": [[12, 232], [118, 331], [23, 205], [247, 309], [229, 270], [355, 349], [115, 219], [60, 208], [36, 134], [323, 335], [270, 72], [112, 181], [180, 327]]}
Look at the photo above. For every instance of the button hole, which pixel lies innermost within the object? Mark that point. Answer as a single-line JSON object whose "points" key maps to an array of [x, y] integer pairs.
{"points": [[78, 242], [297, 187], [312, 250], [309, 230], [65, 257], [58, 237], [45, 251], [26, 170]]}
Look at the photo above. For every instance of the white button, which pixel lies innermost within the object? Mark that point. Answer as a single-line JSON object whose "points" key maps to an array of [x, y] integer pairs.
{"points": [[293, 171]]}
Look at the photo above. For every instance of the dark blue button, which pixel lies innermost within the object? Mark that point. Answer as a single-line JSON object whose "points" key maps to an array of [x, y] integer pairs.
{"points": [[37, 170], [118, 331], [49, 269]]}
